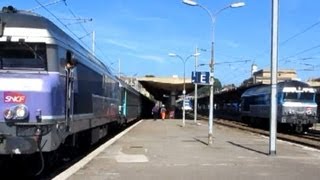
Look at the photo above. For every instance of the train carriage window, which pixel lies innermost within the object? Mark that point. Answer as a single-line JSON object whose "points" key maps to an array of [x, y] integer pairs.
{"points": [[23, 55]]}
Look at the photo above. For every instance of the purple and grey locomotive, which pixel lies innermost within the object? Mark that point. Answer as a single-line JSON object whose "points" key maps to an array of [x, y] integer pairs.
{"points": [[51, 88]]}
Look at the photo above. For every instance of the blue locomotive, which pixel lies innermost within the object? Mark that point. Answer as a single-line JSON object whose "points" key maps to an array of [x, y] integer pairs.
{"points": [[296, 103]]}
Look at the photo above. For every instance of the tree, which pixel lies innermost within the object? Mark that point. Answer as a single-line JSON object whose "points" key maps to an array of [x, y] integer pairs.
{"points": [[149, 75], [205, 90], [217, 85]]}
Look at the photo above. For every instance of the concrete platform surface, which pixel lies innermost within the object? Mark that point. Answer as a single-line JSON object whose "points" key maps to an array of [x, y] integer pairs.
{"points": [[165, 150]]}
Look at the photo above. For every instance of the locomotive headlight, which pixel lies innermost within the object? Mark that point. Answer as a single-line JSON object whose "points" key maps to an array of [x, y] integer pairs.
{"points": [[8, 114], [291, 111], [309, 111], [21, 112]]}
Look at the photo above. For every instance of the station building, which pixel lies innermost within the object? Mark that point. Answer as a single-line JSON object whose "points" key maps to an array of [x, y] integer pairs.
{"points": [[263, 77]]}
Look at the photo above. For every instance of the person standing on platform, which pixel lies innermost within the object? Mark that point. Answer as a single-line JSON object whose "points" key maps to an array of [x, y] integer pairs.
{"points": [[155, 112], [163, 112], [172, 112]]}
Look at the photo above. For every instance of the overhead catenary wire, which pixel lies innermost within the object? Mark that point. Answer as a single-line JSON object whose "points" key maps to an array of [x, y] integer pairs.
{"points": [[232, 62], [287, 59], [301, 52], [45, 5], [87, 32], [300, 33], [236, 72], [52, 14], [229, 78], [74, 15], [292, 37], [66, 26]]}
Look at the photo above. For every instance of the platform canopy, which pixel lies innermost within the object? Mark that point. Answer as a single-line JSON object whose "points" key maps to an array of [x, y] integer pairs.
{"points": [[162, 87]]}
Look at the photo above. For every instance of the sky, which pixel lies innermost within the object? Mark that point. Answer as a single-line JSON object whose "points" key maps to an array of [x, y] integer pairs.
{"points": [[140, 34]]}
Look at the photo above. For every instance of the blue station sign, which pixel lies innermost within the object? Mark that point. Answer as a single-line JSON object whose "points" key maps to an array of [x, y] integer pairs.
{"points": [[200, 78]]}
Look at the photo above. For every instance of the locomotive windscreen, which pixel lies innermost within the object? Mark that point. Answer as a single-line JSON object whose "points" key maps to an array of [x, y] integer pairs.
{"points": [[21, 55], [298, 97]]}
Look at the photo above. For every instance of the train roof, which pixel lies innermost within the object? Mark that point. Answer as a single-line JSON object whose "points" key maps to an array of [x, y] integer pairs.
{"points": [[19, 18], [265, 88], [125, 85]]}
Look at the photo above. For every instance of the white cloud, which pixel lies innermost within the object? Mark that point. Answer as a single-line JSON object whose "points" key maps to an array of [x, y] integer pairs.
{"points": [[150, 58], [125, 45]]}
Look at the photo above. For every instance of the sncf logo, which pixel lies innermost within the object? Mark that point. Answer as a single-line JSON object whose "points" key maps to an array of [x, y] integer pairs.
{"points": [[14, 97]]}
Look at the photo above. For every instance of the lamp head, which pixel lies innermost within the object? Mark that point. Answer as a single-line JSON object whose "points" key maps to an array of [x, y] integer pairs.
{"points": [[172, 54], [237, 4], [190, 2], [196, 54]]}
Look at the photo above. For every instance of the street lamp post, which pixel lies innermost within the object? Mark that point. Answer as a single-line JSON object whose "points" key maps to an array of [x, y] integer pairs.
{"points": [[195, 107], [184, 82], [213, 19]]}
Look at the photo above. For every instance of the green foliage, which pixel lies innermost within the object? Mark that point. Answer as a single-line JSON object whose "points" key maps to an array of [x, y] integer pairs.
{"points": [[205, 90], [149, 75], [217, 84]]}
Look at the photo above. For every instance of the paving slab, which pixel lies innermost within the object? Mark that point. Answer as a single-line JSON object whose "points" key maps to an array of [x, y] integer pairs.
{"points": [[166, 150]]}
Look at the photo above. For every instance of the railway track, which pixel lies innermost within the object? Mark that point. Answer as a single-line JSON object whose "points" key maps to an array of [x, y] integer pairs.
{"points": [[311, 139], [65, 161], [65, 165]]}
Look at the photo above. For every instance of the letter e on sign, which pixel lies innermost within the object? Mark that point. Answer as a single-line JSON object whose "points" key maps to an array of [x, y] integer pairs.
{"points": [[203, 78], [14, 97]]}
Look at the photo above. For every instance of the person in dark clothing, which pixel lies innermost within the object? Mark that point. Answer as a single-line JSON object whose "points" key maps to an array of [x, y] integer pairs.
{"points": [[155, 112]]}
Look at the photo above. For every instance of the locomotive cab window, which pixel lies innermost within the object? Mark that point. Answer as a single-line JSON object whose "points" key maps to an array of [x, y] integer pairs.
{"points": [[292, 97], [21, 55], [307, 96]]}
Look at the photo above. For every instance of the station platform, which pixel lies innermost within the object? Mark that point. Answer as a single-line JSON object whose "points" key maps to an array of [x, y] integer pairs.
{"points": [[166, 150]]}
